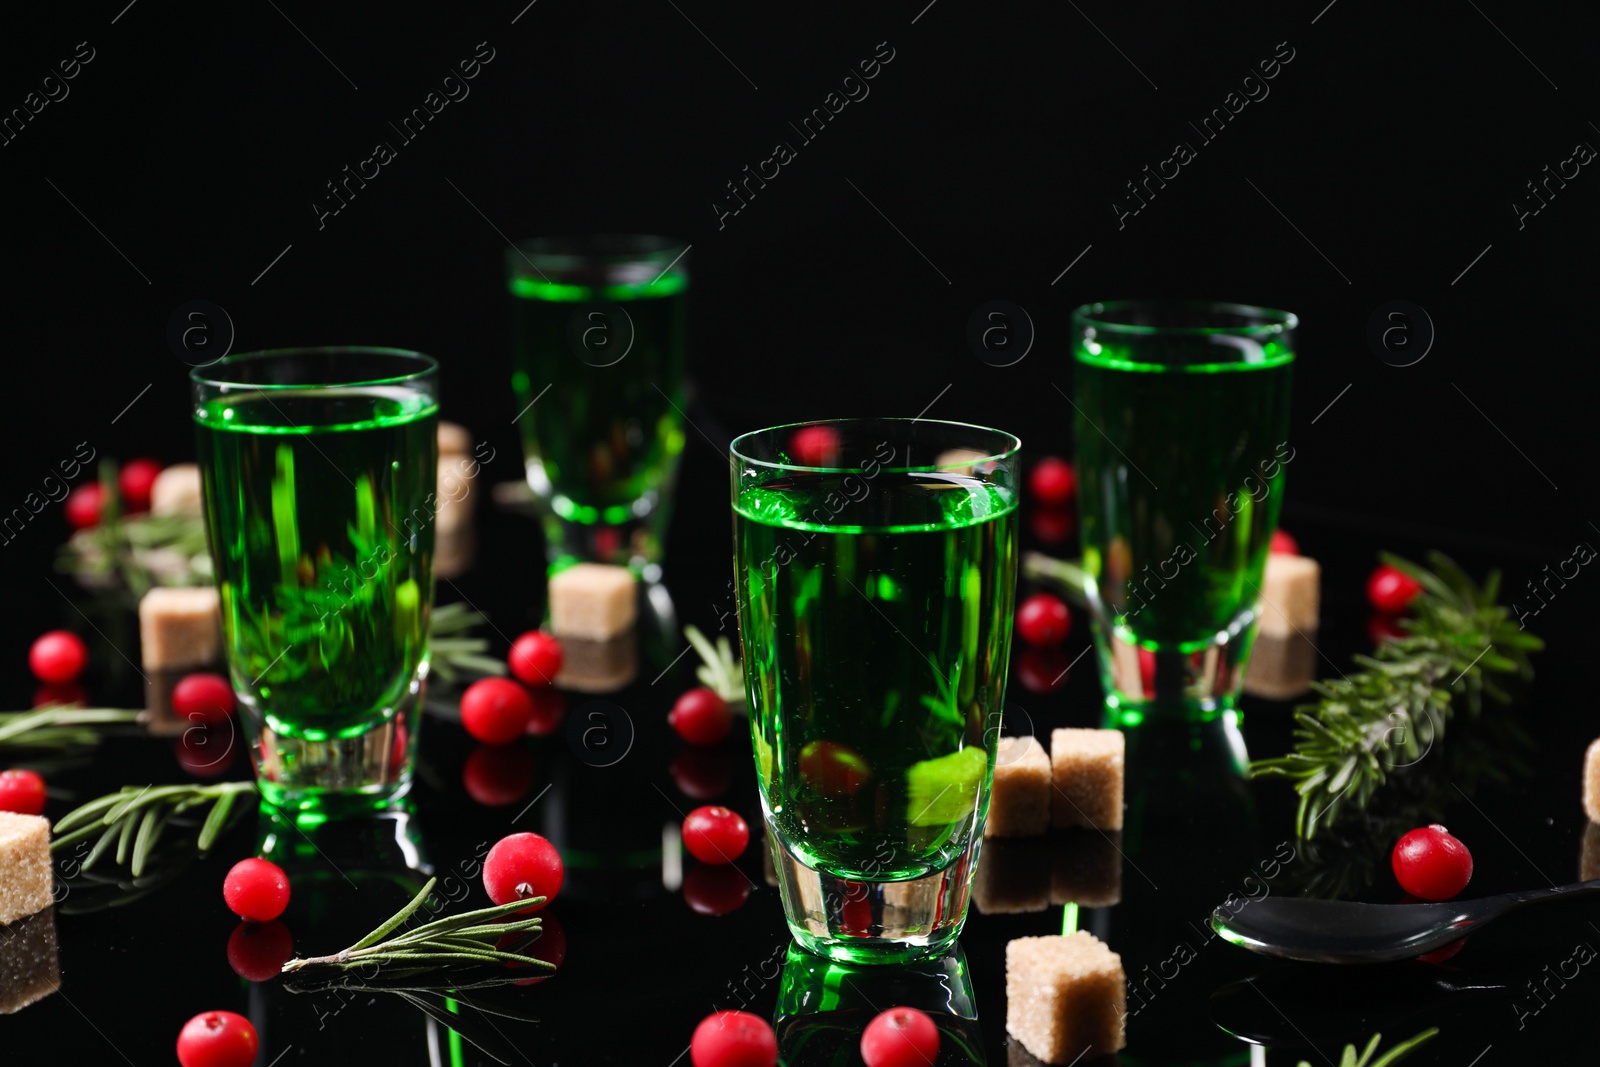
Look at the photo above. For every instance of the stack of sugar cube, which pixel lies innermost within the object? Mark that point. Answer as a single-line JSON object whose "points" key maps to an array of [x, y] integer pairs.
{"points": [[1078, 784]]}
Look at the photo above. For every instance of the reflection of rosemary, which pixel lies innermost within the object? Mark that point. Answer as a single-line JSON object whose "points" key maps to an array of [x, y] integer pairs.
{"points": [[134, 818], [468, 940], [1395, 708]]}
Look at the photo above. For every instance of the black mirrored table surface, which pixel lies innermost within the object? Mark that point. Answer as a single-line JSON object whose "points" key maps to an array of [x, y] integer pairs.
{"points": [[646, 958]]}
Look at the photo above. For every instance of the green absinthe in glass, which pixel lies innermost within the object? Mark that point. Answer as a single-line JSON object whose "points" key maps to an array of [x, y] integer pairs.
{"points": [[319, 510], [876, 625], [1182, 444], [602, 367]]}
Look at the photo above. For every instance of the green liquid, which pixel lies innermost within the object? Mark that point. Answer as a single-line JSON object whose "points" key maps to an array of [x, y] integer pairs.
{"points": [[319, 511], [875, 641], [603, 436], [1181, 471]]}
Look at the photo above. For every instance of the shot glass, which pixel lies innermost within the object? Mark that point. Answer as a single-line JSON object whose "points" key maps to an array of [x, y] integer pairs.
{"points": [[319, 469], [598, 329], [875, 563], [1182, 434]]}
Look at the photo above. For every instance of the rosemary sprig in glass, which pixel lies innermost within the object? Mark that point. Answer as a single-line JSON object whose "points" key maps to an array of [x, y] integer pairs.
{"points": [[133, 820], [456, 942], [1459, 642]]}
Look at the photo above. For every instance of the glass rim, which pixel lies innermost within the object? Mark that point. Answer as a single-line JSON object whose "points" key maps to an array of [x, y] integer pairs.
{"points": [[429, 366], [1273, 321], [592, 247], [1011, 449]]}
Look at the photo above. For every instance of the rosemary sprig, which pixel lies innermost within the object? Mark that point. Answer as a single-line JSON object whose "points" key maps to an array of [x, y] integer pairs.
{"points": [[454, 652], [1393, 1056], [1391, 711], [456, 942], [719, 670], [1350, 851], [57, 727], [134, 818]]}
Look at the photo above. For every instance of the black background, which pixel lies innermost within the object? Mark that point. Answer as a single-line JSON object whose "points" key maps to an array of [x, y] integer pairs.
{"points": [[984, 161]]}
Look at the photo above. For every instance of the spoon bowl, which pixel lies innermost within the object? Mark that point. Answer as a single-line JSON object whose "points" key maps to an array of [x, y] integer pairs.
{"points": [[1336, 931]]}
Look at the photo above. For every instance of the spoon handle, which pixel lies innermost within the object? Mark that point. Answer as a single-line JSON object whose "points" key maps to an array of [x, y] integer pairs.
{"points": [[1530, 896]]}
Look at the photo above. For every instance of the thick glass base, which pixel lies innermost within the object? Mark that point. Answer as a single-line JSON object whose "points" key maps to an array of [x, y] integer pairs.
{"points": [[874, 922], [626, 535], [338, 776], [1176, 684], [823, 1006]]}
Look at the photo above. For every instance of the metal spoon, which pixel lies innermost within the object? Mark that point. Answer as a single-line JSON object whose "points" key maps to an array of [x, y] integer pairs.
{"points": [[1335, 931]]}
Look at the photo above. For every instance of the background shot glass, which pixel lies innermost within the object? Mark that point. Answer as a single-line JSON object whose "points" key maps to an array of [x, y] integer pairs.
{"points": [[319, 468], [876, 566], [598, 327], [1182, 441]]}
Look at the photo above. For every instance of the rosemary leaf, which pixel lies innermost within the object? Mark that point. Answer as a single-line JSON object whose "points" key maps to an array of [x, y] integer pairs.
{"points": [[149, 830], [124, 838], [48, 726], [396, 919], [217, 818], [110, 835]]}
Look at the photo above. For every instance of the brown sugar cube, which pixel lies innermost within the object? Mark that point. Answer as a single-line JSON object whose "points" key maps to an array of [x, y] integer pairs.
{"points": [[1589, 856], [454, 494], [1065, 996], [1019, 803], [1086, 868], [1591, 782], [179, 627], [176, 490], [592, 600], [598, 666], [1087, 771], [30, 968], [454, 439], [1281, 668], [1013, 876], [1290, 595], [454, 549], [27, 879]]}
